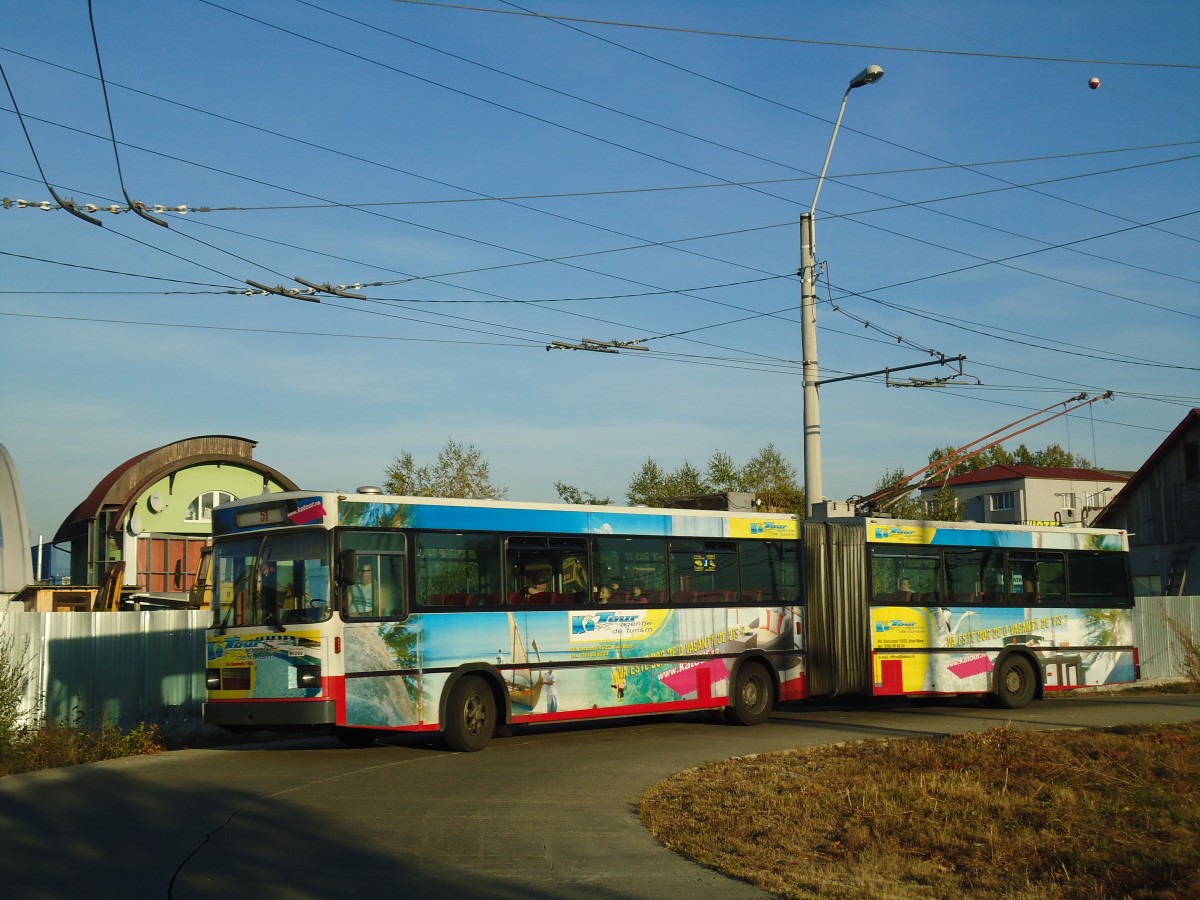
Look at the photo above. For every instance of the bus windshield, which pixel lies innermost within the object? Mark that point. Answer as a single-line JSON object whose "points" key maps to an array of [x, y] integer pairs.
{"points": [[276, 581]]}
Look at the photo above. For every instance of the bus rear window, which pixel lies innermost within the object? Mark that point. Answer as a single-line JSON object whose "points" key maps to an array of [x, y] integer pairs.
{"points": [[1098, 579]]}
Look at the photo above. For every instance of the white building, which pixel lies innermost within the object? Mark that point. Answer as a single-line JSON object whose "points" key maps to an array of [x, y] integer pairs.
{"points": [[1032, 495]]}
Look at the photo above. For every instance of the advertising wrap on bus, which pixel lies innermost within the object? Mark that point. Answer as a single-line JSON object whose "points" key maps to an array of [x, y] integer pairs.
{"points": [[961, 536], [359, 612], [264, 665], [575, 663], [960, 646], [599, 520]]}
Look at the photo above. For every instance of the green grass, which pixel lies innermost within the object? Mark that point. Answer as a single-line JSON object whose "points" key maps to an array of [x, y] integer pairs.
{"points": [[994, 814]]}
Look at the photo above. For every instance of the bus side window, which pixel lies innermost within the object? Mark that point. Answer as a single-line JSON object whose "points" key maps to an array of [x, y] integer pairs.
{"points": [[389, 600], [967, 574], [1098, 579], [1051, 579], [703, 572], [633, 568], [378, 586], [906, 575], [458, 571], [1022, 578], [770, 573]]}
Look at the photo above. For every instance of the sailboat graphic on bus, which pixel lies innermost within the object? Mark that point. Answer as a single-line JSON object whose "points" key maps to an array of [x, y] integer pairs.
{"points": [[523, 690]]}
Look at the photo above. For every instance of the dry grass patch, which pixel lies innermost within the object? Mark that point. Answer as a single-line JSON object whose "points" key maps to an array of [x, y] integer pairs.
{"points": [[51, 747], [1000, 813]]}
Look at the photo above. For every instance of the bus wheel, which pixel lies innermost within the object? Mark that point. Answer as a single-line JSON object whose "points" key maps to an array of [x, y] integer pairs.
{"points": [[1015, 683], [470, 715], [753, 695]]}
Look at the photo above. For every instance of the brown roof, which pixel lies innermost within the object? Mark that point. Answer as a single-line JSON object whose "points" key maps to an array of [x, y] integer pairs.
{"points": [[1149, 465]]}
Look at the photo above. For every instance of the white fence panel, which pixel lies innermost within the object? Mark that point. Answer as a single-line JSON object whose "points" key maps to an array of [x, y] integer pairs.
{"points": [[1158, 647], [122, 668]]}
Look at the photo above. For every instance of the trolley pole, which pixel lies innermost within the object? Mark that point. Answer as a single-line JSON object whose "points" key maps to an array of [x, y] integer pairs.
{"points": [[813, 489]]}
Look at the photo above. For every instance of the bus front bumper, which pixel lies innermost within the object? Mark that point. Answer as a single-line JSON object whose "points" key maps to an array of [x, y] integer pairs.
{"points": [[269, 713]]}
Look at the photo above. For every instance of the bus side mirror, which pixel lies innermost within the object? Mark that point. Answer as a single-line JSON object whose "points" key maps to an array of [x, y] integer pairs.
{"points": [[347, 566]]}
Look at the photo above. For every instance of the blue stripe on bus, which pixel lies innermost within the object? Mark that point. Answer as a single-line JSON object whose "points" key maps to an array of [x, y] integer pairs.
{"points": [[489, 518]]}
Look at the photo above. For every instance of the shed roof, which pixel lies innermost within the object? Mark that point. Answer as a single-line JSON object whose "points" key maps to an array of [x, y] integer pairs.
{"points": [[1189, 421]]}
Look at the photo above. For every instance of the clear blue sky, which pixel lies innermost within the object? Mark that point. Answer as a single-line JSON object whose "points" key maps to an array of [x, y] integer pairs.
{"points": [[513, 180]]}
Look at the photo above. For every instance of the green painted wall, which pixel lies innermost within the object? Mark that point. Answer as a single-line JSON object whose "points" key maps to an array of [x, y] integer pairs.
{"points": [[179, 490]]}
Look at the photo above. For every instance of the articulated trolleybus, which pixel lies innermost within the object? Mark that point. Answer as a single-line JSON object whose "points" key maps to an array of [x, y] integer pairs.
{"points": [[363, 613]]}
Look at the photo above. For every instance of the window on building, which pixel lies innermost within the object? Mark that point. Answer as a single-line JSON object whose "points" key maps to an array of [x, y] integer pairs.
{"points": [[1191, 461], [200, 509], [1004, 500]]}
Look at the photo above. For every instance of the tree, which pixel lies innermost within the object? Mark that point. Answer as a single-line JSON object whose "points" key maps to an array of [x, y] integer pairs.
{"points": [[768, 475], [773, 481], [723, 473], [653, 486], [904, 505], [647, 485], [568, 493], [460, 471], [996, 456], [944, 506], [1053, 455]]}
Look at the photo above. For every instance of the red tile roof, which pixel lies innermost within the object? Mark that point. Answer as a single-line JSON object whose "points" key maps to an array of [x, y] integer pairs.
{"points": [[1008, 473]]}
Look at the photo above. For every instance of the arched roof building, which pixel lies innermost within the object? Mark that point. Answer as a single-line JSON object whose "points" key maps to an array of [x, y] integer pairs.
{"points": [[154, 511], [16, 570]]}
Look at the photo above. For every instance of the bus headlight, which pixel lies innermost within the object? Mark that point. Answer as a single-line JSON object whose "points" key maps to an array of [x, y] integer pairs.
{"points": [[212, 679], [308, 676]]}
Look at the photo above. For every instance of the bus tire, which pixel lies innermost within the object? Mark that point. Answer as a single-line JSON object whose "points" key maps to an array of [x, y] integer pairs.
{"points": [[753, 695], [1015, 683], [470, 715]]}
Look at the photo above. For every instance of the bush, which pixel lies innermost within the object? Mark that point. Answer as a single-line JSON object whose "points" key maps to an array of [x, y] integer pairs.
{"points": [[1191, 653], [53, 746], [26, 747], [14, 679]]}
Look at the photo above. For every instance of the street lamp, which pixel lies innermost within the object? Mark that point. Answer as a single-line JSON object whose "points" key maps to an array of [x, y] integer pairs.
{"points": [[813, 489]]}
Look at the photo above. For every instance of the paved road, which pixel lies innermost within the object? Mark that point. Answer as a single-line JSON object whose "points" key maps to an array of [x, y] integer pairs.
{"points": [[543, 814]]}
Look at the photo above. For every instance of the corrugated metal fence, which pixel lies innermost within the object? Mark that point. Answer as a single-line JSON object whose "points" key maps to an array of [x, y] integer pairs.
{"points": [[132, 667], [1158, 646], [123, 668]]}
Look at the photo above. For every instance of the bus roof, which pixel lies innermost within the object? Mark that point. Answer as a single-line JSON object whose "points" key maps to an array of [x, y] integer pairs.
{"points": [[988, 534], [376, 510]]}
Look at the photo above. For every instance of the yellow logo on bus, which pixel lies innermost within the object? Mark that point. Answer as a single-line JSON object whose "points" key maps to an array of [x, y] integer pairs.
{"points": [[900, 534], [764, 528]]}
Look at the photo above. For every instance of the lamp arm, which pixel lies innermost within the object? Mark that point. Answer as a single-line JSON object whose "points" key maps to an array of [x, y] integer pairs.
{"points": [[829, 152]]}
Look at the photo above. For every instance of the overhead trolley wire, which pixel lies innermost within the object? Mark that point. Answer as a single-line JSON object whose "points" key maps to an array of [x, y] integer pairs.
{"points": [[562, 21], [521, 11], [603, 273], [1010, 185]]}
